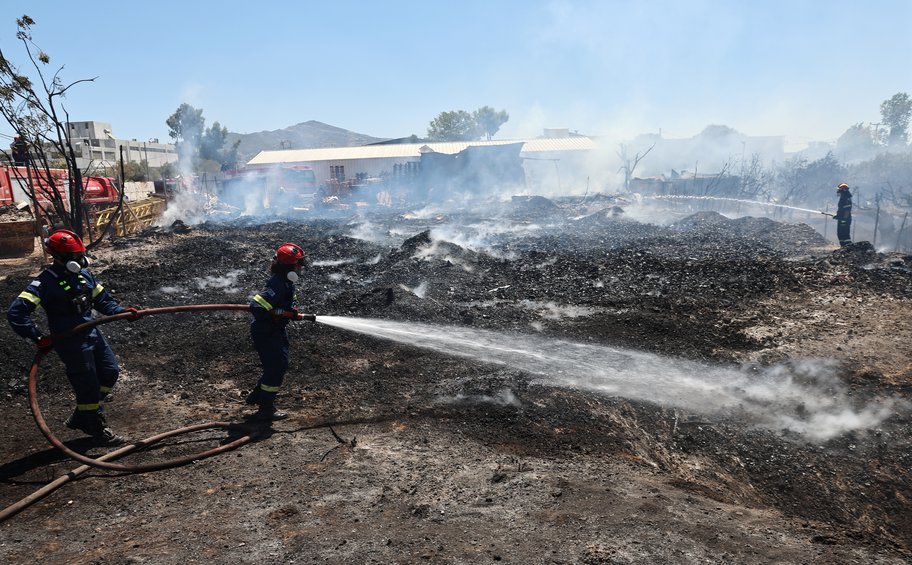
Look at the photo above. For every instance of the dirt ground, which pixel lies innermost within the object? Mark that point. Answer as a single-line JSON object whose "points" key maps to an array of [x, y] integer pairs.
{"points": [[400, 454]]}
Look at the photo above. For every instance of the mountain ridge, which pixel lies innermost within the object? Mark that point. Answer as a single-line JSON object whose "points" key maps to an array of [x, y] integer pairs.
{"points": [[304, 135]]}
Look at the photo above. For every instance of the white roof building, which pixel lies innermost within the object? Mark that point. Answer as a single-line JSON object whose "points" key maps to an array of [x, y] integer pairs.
{"points": [[411, 151], [382, 159]]}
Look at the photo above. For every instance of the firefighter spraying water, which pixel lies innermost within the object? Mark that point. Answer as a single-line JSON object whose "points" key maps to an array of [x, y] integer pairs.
{"points": [[272, 309]]}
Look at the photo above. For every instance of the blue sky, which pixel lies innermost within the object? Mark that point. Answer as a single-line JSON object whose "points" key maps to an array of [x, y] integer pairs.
{"points": [[805, 69]]}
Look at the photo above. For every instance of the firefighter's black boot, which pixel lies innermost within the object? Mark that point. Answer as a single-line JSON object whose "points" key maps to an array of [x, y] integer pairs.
{"points": [[254, 396], [268, 410], [80, 420], [93, 423], [103, 434], [269, 413]]}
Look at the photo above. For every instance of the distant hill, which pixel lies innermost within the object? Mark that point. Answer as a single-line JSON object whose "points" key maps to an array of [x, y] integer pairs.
{"points": [[306, 135]]}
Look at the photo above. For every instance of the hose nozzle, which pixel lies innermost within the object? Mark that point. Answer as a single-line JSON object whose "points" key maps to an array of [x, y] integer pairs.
{"points": [[307, 317]]}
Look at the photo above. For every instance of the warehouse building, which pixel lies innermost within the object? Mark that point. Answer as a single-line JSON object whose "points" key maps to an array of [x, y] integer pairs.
{"points": [[540, 157]]}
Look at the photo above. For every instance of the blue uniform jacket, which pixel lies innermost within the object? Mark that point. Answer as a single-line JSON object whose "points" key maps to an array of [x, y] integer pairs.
{"points": [[278, 295], [67, 298], [844, 207]]}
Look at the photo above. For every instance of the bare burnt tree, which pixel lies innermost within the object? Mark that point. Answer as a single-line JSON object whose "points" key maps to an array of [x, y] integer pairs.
{"points": [[33, 108], [755, 180], [716, 185], [628, 164], [900, 197], [791, 182]]}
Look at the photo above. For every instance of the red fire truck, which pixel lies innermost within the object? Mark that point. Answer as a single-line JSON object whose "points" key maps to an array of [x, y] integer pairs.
{"points": [[98, 191]]}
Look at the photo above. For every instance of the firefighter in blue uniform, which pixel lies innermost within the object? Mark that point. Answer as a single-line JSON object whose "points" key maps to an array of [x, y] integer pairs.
{"points": [[272, 309], [68, 293], [843, 215], [20, 151]]}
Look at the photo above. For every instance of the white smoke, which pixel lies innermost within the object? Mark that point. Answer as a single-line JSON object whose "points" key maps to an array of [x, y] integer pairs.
{"points": [[187, 206], [368, 231], [226, 282], [504, 397], [553, 311], [333, 262], [420, 291]]}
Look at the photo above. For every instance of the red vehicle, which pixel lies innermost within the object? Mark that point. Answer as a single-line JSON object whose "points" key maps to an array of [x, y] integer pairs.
{"points": [[14, 180], [99, 191]]}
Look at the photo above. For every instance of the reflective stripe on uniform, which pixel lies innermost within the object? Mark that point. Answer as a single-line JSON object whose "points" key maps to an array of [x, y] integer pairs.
{"points": [[97, 290], [262, 302], [34, 299], [87, 407], [267, 388]]}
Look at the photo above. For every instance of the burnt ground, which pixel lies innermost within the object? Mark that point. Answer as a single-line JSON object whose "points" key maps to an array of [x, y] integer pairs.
{"points": [[434, 466]]}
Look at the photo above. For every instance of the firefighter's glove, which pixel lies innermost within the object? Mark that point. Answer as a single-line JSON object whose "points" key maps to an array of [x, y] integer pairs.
{"points": [[44, 343], [134, 314], [281, 316]]}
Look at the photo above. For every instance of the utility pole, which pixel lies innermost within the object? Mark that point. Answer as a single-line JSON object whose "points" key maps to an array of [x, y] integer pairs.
{"points": [[901, 228], [876, 222], [146, 154]]}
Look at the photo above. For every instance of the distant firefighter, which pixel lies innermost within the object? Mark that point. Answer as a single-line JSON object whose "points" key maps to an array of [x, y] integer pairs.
{"points": [[20, 151], [843, 215]]}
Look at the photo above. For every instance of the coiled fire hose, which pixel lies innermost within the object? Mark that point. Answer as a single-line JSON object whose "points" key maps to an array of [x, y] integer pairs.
{"points": [[102, 462]]}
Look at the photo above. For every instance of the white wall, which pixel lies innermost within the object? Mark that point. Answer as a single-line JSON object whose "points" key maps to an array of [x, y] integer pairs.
{"points": [[138, 190]]}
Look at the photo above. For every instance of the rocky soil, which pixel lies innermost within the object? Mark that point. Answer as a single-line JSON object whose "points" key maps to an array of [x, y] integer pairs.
{"points": [[10, 213], [396, 453]]}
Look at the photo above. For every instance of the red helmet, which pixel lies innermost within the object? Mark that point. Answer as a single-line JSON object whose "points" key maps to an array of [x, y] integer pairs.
{"points": [[64, 241], [289, 254]]}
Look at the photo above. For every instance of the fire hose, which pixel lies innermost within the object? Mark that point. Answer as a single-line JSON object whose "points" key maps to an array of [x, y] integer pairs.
{"points": [[103, 461]]}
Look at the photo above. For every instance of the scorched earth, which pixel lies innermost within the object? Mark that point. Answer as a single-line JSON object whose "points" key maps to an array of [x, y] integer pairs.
{"points": [[540, 384]]}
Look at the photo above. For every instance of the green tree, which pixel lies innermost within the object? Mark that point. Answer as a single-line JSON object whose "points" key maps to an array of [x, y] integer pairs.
{"points": [[134, 171], [198, 146], [212, 147], [458, 125], [185, 127], [167, 171], [896, 113], [212, 141], [489, 120]]}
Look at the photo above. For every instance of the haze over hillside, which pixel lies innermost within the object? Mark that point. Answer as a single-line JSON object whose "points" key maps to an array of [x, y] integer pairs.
{"points": [[305, 135]]}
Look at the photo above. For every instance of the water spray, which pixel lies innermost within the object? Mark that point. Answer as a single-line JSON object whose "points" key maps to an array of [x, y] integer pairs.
{"points": [[804, 397], [738, 200]]}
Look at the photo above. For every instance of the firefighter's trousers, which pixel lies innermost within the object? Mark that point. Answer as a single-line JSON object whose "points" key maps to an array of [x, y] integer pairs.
{"points": [[90, 364], [273, 351], [843, 232]]}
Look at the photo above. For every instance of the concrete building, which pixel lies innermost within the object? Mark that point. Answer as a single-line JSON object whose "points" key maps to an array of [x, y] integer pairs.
{"points": [[99, 150]]}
